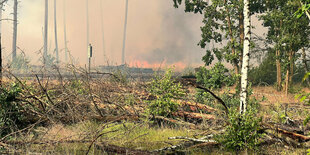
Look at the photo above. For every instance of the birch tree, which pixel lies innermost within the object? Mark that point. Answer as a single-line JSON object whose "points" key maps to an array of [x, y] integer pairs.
{"points": [[14, 31], [55, 29], [45, 32], [246, 56]]}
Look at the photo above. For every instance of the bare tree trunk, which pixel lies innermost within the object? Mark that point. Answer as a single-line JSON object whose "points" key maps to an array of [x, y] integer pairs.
{"points": [[65, 31], [55, 25], [102, 29], [304, 60], [287, 80], [279, 74], [87, 28], [1, 7], [14, 31], [125, 33], [45, 32], [233, 50], [292, 55], [246, 57], [241, 31]]}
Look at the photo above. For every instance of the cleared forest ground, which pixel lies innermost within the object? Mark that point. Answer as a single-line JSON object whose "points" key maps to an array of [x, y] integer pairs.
{"points": [[110, 115]]}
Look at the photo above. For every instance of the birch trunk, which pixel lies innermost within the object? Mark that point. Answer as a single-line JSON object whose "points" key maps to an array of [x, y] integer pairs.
{"points": [[125, 33], [246, 57], [304, 60], [45, 32], [55, 29], [14, 31]]}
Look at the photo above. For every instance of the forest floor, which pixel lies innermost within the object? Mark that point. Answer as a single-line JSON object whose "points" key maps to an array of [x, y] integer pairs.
{"points": [[110, 116]]}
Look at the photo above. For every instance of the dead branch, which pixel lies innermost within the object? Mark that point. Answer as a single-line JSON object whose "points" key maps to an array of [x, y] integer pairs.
{"points": [[195, 106], [192, 81]]}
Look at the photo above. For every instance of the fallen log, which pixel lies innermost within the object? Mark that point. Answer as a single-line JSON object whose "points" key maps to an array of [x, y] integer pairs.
{"points": [[190, 115], [177, 122], [196, 106], [292, 135]]}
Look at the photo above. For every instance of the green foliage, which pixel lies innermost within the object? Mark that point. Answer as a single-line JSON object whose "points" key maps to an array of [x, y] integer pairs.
{"points": [[77, 86], [265, 73], [119, 76], [165, 89], [242, 131], [216, 77], [11, 112]]}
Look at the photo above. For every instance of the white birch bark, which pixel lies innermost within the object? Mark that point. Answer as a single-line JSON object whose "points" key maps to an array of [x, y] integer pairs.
{"points": [[246, 57], [125, 33], [55, 29], [45, 32], [14, 31]]}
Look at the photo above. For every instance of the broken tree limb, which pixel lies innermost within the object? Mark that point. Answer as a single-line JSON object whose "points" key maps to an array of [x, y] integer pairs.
{"points": [[192, 81]]}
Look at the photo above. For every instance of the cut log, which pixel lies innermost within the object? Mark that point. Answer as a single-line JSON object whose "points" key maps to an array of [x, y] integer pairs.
{"points": [[292, 135], [196, 106], [190, 115]]}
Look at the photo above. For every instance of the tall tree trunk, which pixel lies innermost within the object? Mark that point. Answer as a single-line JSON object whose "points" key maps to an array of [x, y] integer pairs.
{"points": [[45, 32], [233, 49], [125, 33], [55, 28], [304, 60], [279, 74], [287, 80], [65, 31], [241, 30], [246, 57], [292, 55], [1, 7], [87, 28], [14, 31], [102, 29], [289, 70]]}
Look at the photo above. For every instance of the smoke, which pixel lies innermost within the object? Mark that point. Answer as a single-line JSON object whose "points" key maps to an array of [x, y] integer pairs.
{"points": [[156, 31], [180, 35]]}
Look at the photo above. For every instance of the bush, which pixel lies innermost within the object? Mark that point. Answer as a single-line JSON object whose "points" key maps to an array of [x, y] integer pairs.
{"points": [[242, 131], [11, 112], [165, 89], [217, 77]]}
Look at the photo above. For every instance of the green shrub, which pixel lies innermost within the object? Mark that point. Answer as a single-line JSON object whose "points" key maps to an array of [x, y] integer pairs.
{"points": [[11, 112], [165, 89], [216, 77], [242, 131]]}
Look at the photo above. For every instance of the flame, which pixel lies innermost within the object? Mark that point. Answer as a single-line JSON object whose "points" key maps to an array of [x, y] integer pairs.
{"points": [[178, 66]]}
